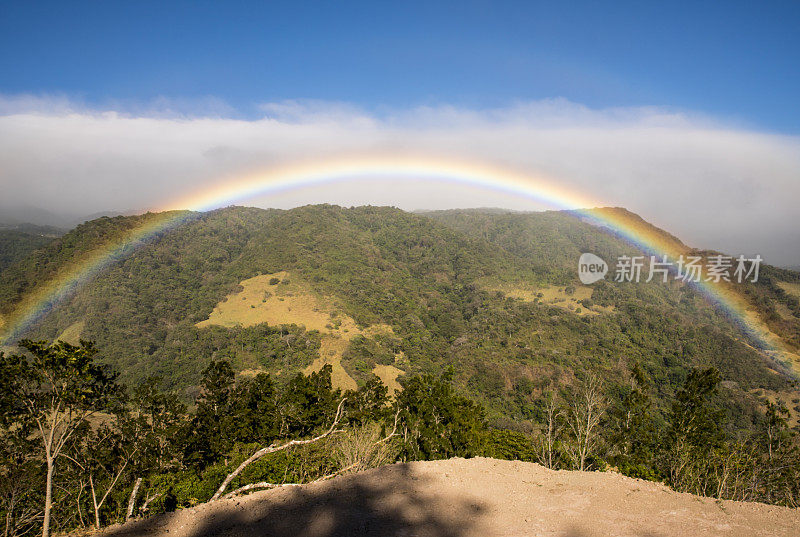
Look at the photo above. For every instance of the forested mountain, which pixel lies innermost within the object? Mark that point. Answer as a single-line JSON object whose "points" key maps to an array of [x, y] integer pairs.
{"points": [[492, 295], [376, 335]]}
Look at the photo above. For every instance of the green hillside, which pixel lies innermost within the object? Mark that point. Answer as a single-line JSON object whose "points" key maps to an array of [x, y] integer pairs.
{"points": [[492, 295], [17, 244]]}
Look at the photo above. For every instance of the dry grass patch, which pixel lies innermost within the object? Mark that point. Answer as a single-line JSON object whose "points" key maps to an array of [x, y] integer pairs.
{"points": [[72, 334], [388, 375], [791, 288], [285, 302], [282, 298], [784, 311], [331, 350], [377, 330], [249, 373], [791, 400], [568, 297]]}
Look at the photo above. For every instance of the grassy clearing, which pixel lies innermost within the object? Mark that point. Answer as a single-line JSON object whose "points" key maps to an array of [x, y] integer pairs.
{"points": [[72, 334], [568, 297], [791, 400], [286, 302], [331, 350], [791, 288], [281, 298], [784, 311], [388, 375]]}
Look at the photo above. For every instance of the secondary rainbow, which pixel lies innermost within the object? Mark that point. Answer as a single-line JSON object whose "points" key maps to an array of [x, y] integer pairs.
{"points": [[536, 187]]}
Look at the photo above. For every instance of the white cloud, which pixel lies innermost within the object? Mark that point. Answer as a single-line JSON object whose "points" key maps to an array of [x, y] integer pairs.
{"points": [[712, 184]]}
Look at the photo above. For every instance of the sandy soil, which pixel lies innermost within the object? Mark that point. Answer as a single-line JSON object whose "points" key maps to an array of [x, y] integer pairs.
{"points": [[475, 497]]}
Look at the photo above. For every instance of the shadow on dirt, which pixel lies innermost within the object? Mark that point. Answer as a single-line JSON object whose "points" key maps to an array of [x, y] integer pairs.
{"points": [[385, 502]]}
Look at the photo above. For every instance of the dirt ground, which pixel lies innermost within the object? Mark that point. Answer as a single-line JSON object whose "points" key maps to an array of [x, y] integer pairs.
{"points": [[476, 498]]}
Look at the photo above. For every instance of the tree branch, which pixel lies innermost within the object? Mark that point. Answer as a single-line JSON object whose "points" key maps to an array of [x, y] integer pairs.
{"points": [[265, 485], [272, 449]]}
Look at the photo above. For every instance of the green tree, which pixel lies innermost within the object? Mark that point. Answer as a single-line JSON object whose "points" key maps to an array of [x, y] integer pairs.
{"points": [[370, 403], [632, 430], [153, 424], [780, 467], [55, 389], [436, 422], [207, 434], [308, 403], [695, 431], [254, 410]]}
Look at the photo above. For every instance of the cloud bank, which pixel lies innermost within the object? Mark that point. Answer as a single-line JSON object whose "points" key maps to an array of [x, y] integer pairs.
{"points": [[714, 185]]}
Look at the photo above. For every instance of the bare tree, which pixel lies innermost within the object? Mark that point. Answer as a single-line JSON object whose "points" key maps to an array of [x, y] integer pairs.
{"points": [[553, 416], [103, 458], [585, 409], [21, 515]]}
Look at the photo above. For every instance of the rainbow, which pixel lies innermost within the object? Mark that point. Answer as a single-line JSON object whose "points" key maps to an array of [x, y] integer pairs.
{"points": [[537, 188]]}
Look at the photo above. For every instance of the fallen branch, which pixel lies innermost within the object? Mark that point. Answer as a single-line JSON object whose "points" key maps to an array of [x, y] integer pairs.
{"points": [[394, 430], [265, 485], [272, 449], [150, 498]]}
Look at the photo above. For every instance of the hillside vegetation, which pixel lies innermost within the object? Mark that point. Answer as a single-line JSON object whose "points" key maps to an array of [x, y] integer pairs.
{"points": [[454, 289], [458, 333], [16, 245]]}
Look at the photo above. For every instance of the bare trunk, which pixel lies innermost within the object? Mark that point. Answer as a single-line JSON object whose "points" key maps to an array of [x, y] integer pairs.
{"points": [[7, 530], [132, 500], [48, 498], [94, 503]]}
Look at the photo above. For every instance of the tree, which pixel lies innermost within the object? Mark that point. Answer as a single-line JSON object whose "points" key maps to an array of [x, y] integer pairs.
{"points": [[254, 410], [308, 403], [153, 425], [695, 432], [370, 403], [207, 435], [585, 408], [436, 422], [273, 449], [632, 429], [54, 389], [780, 468], [553, 416], [103, 456], [21, 480]]}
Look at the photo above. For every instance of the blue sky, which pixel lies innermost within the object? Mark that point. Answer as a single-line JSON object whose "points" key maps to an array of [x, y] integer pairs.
{"points": [[735, 61]]}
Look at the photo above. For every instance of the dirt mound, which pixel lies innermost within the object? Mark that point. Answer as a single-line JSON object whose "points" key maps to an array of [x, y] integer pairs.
{"points": [[474, 497]]}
